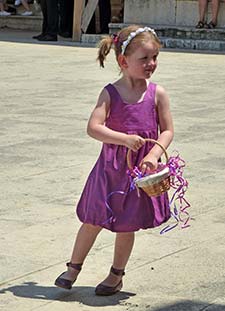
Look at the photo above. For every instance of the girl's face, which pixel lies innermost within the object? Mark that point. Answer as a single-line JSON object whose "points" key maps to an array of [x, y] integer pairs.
{"points": [[143, 61]]}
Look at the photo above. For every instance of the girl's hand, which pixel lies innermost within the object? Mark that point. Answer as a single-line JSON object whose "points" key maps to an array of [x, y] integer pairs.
{"points": [[148, 164], [134, 142]]}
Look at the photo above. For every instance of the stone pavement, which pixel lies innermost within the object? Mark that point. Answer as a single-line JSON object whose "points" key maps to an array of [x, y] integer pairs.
{"points": [[47, 92]]}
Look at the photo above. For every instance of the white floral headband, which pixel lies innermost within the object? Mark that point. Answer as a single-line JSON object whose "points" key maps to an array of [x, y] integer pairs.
{"points": [[132, 35]]}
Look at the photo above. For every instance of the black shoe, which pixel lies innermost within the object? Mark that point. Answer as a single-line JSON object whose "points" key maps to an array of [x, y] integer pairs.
{"points": [[65, 34], [211, 25], [64, 283], [200, 25], [11, 10], [38, 36], [48, 38], [104, 290]]}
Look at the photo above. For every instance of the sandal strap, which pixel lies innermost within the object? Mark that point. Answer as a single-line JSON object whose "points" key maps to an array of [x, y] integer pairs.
{"points": [[211, 25], [76, 266], [117, 271], [200, 24]]}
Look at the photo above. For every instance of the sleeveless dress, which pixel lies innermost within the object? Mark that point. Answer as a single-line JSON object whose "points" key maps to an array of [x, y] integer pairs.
{"points": [[106, 200]]}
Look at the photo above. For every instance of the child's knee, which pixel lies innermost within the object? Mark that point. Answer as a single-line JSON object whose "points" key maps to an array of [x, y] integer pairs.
{"points": [[91, 227]]}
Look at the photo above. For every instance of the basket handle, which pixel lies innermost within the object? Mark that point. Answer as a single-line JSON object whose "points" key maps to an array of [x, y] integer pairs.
{"points": [[129, 164]]}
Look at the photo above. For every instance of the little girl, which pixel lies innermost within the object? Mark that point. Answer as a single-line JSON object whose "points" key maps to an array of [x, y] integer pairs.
{"points": [[127, 112]]}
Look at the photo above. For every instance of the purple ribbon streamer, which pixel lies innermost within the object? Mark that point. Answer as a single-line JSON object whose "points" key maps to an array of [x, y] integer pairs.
{"points": [[131, 174], [112, 218], [176, 166]]}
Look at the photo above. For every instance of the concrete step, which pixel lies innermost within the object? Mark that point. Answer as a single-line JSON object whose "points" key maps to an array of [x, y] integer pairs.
{"points": [[171, 43], [32, 23], [19, 22], [186, 37], [193, 44], [91, 39], [181, 32]]}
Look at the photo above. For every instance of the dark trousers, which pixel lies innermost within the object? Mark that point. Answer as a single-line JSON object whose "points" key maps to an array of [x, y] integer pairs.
{"points": [[105, 15], [50, 17], [66, 16]]}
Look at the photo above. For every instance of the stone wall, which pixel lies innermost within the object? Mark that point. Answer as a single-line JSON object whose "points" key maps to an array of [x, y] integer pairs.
{"points": [[116, 6], [167, 12]]}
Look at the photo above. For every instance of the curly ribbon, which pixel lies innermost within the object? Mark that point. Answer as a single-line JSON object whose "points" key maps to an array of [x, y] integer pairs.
{"points": [[135, 172], [132, 174], [178, 204], [112, 218]]}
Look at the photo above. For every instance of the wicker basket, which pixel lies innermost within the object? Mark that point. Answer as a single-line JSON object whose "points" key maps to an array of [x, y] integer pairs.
{"points": [[153, 184]]}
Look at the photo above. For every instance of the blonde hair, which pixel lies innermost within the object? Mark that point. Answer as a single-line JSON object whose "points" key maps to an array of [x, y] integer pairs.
{"points": [[117, 41]]}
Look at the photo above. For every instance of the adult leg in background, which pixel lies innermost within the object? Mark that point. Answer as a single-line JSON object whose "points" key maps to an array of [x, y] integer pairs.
{"points": [[215, 10], [105, 15], [43, 6], [53, 17], [66, 18], [50, 20], [202, 6]]}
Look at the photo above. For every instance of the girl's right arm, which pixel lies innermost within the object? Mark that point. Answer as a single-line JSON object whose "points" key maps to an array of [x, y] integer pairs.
{"points": [[96, 126]]}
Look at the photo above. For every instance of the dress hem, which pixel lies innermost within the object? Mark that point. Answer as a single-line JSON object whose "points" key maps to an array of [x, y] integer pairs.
{"points": [[117, 231]]}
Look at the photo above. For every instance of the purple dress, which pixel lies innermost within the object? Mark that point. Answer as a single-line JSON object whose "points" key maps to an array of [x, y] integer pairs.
{"points": [[106, 200]]}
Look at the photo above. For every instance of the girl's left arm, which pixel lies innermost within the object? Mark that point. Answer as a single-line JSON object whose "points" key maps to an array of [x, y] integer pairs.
{"points": [[165, 120], [150, 162]]}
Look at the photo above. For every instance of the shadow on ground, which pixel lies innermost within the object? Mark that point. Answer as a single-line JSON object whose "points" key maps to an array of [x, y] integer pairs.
{"points": [[83, 294], [18, 36], [86, 296]]}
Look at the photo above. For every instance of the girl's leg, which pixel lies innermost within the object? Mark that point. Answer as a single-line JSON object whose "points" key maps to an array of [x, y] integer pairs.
{"points": [[202, 9], [84, 241], [123, 247], [215, 10]]}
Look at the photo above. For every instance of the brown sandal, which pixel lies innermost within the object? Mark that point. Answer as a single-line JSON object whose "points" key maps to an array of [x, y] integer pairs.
{"points": [[64, 283], [200, 25], [211, 25], [103, 290]]}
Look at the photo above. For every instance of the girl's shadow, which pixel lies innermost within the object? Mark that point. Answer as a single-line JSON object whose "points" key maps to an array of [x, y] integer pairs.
{"points": [[86, 296], [82, 294]]}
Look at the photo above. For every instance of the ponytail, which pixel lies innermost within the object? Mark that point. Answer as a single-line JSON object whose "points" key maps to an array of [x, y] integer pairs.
{"points": [[126, 41], [105, 46]]}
